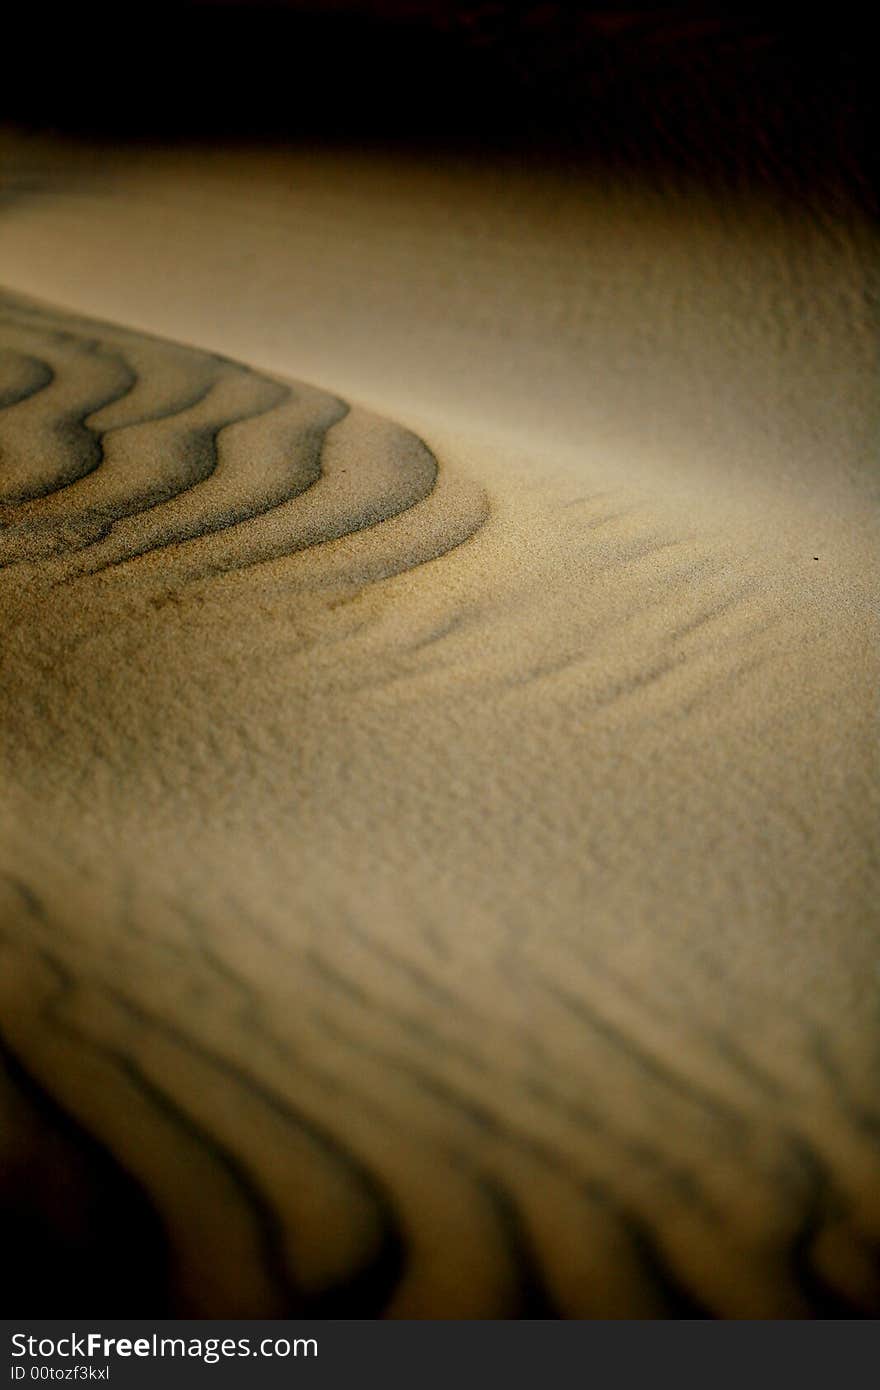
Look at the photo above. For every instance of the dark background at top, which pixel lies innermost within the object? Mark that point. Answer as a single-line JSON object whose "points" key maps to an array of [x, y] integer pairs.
{"points": [[747, 95]]}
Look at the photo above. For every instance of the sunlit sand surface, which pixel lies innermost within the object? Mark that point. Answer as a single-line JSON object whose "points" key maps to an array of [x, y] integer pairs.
{"points": [[439, 814]]}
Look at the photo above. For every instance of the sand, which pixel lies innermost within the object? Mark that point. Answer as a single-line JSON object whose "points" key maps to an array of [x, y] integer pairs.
{"points": [[438, 835]]}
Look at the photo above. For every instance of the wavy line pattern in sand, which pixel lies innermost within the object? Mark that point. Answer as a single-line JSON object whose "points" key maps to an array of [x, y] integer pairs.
{"points": [[116, 446], [277, 1079], [374, 1151]]}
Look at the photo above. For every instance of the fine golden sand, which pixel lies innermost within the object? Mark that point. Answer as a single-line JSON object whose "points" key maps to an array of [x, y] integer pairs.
{"points": [[438, 833]]}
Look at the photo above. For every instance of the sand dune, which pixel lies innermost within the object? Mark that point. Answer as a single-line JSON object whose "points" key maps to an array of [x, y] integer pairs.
{"points": [[438, 863]]}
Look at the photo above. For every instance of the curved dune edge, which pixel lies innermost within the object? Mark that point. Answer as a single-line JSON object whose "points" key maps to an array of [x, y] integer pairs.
{"points": [[120, 448], [491, 941]]}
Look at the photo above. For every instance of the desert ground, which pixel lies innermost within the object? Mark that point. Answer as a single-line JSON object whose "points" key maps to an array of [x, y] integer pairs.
{"points": [[438, 831]]}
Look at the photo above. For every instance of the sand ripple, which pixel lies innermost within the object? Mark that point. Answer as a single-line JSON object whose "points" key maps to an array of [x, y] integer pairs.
{"points": [[118, 446]]}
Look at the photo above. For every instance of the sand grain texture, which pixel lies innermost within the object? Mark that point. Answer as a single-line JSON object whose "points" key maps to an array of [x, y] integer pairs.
{"points": [[438, 860]]}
